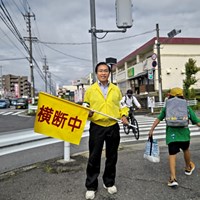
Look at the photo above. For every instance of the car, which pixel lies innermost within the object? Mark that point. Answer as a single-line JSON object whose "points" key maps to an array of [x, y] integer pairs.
{"points": [[21, 103], [4, 103], [13, 102]]}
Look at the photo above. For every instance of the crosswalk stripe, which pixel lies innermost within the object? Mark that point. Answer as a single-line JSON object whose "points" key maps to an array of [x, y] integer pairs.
{"points": [[17, 113], [145, 124], [12, 113], [7, 113]]}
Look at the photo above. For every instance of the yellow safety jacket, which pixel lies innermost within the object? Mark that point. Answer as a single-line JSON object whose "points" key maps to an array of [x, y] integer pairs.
{"points": [[109, 105]]}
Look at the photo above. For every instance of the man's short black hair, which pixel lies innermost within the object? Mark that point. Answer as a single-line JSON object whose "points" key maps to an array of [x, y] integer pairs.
{"points": [[101, 63]]}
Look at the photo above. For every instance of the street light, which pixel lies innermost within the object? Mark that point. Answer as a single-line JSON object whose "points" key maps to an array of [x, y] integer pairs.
{"points": [[174, 32], [123, 20]]}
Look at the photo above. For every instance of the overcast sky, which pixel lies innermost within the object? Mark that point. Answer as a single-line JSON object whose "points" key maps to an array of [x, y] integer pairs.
{"points": [[61, 28]]}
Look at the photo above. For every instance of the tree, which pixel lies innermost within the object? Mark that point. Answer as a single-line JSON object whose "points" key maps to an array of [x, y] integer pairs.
{"points": [[190, 70]]}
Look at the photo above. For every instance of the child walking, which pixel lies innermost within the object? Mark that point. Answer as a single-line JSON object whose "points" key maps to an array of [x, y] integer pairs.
{"points": [[177, 138]]}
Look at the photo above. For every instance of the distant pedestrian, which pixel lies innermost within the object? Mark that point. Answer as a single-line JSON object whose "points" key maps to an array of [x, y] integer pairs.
{"points": [[177, 137], [103, 97]]}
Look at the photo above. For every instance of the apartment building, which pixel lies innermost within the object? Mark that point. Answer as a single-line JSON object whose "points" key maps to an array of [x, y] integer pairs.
{"points": [[15, 86], [139, 70]]}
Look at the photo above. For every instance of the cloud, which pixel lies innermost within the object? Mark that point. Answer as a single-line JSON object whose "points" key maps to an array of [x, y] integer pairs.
{"points": [[62, 22]]}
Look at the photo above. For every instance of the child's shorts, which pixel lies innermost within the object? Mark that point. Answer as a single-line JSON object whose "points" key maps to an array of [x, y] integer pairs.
{"points": [[174, 147]]}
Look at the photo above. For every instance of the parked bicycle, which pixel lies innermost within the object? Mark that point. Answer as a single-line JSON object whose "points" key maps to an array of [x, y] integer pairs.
{"points": [[132, 121]]}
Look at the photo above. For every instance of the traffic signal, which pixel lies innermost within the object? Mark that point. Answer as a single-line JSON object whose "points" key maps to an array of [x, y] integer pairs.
{"points": [[150, 74]]}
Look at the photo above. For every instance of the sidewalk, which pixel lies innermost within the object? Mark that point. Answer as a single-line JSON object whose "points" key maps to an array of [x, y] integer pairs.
{"points": [[137, 179]]}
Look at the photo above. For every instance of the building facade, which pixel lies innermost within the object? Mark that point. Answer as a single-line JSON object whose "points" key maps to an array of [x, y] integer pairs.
{"points": [[140, 70], [15, 86]]}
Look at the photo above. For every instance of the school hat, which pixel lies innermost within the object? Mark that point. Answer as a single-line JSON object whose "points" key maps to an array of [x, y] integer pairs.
{"points": [[176, 92]]}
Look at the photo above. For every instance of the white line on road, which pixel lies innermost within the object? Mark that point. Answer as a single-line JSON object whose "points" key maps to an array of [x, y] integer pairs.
{"points": [[8, 113], [17, 113]]}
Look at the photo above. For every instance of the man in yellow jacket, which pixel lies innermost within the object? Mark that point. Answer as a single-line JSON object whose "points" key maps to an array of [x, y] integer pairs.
{"points": [[103, 97]]}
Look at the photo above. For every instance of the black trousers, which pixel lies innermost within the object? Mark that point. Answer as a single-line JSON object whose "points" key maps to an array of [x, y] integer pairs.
{"points": [[98, 135]]}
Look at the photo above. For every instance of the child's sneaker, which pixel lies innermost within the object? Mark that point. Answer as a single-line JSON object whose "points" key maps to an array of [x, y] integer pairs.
{"points": [[172, 183], [189, 171]]}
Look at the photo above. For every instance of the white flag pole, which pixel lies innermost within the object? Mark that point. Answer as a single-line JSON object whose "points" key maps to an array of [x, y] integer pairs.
{"points": [[110, 117]]}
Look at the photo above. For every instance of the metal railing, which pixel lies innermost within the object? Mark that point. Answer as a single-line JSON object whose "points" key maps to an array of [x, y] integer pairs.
{"points": [[32, 108], [192, 102]]}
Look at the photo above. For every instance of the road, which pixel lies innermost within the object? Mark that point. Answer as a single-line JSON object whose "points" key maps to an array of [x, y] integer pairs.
{"points": [[25, 153], [11, 120]]}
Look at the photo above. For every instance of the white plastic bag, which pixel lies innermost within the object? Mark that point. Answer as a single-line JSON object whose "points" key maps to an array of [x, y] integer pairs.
{"points": [[152, 152]]}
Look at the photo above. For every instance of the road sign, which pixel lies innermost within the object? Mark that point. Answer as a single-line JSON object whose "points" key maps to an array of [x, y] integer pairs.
{"points": [[154, 56]]}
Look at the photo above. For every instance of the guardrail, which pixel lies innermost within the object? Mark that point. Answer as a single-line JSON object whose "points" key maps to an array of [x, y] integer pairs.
{"points": [[16, 141], [13, 144], [32, 108], [192, 102]]}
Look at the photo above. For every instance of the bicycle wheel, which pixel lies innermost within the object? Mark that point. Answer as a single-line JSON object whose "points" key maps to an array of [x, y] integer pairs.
{"points": [[135, 130], [126, 128]]}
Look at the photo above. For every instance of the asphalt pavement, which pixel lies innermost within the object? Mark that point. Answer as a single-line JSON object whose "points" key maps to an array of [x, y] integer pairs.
{"points": [[14, 123], [137, 178]]}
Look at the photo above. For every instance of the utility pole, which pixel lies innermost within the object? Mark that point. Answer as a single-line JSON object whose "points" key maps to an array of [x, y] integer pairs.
{"points": [[50, 82], [45, 68], [171, 34], [159, 65], [1, 82], [93, 37], [28, 16]]}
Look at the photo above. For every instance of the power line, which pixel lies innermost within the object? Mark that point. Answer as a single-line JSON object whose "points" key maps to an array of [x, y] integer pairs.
{"points": [[67, 54], [12, 42], [6, 59], [89, 43], [7, 19], [17, 7]]}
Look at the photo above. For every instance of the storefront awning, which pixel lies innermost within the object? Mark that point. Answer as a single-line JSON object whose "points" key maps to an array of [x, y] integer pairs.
{"points": [[140, 75]]}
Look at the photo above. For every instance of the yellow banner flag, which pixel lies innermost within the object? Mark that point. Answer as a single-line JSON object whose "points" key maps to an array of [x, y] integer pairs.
{"points": [[59, 118]]}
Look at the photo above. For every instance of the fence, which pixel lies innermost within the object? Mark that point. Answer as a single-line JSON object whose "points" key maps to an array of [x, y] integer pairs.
{"points": [[32, 108], [192, 102]]}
